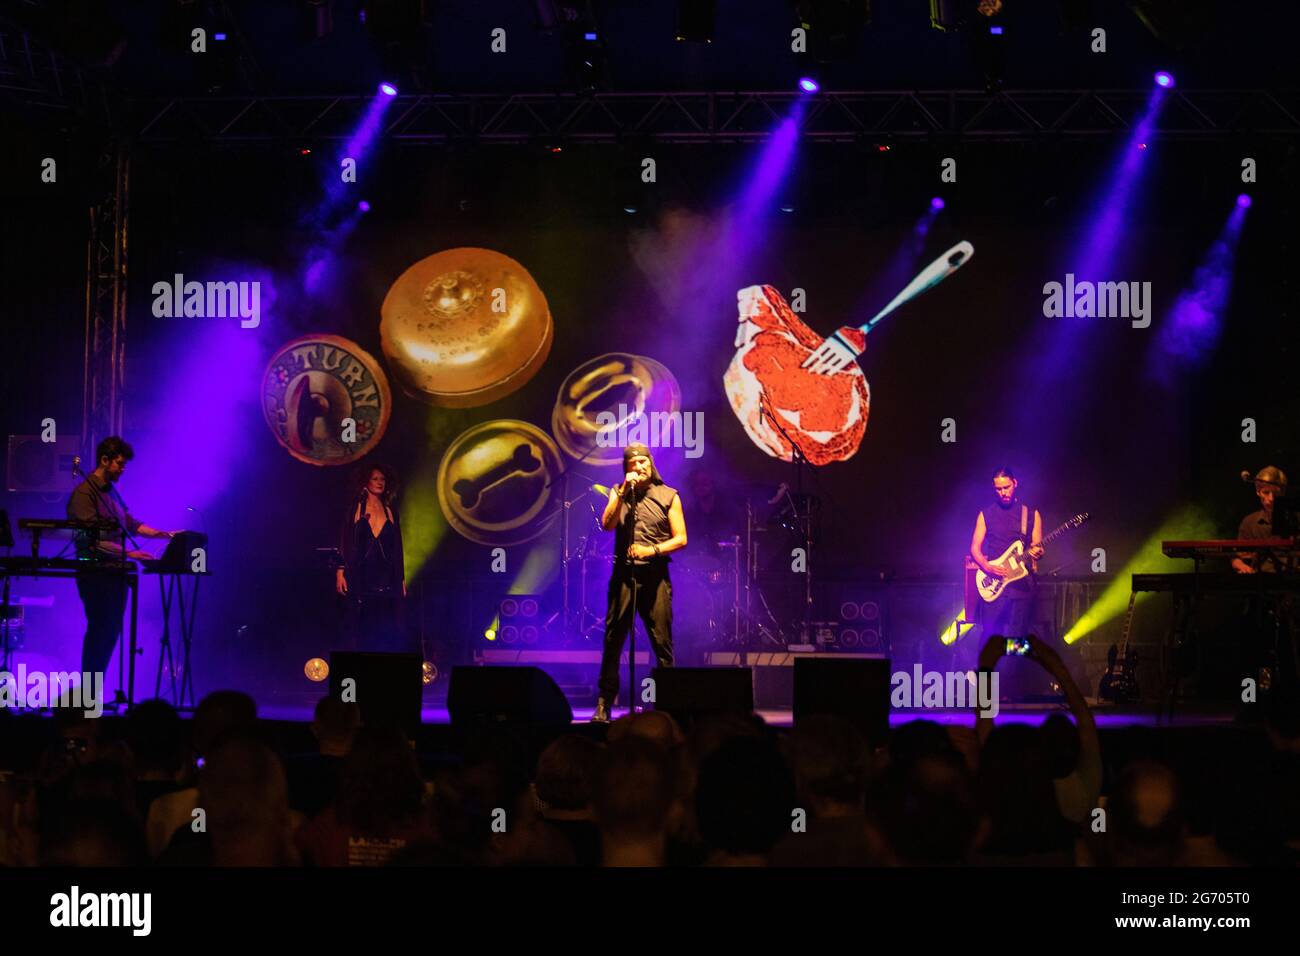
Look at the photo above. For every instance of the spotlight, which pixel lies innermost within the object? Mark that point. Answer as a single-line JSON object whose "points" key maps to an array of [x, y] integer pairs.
{"points": [[316, 669], [808, 84], [388, 89], [1243, 201], [936, 203], [1164, 79], [490, 634], [363, 206], [996, 31], [218, 36]]}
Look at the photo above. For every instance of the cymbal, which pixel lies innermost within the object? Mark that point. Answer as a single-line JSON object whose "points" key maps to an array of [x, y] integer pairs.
{"points": [[464, 327]]}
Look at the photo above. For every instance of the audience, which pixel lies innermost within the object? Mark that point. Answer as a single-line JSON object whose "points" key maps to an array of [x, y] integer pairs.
{"points": [[729, 792]]}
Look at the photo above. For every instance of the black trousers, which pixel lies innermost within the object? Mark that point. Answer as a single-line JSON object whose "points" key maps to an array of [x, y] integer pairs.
{"points": [[375, 622], [103, 595], [654, 603]]}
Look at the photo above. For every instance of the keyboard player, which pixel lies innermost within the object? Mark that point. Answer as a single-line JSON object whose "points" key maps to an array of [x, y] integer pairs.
{"points": [[103, 590], [1270, 483]]}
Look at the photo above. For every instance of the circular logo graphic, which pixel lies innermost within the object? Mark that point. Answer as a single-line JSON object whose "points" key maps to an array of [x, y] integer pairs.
{"points": [[464, 327], [498, 482], [313, 386], [618, 385]]}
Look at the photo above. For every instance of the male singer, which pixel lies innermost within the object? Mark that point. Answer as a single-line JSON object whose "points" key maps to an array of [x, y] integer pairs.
{"points": [[646, 518]]}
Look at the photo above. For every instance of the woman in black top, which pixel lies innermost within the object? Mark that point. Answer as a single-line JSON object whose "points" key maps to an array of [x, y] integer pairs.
{"points": [[373, 576]]}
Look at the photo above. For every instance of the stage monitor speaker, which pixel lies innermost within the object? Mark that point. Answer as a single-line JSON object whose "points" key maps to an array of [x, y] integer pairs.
{"points": [[856, 690], [36, 465], [387, 687], [689, 693], [525, 695]]}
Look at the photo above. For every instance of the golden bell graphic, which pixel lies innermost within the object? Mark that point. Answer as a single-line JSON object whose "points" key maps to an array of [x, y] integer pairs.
{"points": [[464, 327], [498, 482], [621, 387]]}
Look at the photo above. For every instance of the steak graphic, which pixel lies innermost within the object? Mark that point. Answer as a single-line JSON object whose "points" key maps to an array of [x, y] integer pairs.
{"points": [[825, 414]]}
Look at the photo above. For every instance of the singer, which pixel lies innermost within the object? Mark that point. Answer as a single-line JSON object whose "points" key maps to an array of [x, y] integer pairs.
{"points": [[102, 588], [646, 518], [373, 577]]}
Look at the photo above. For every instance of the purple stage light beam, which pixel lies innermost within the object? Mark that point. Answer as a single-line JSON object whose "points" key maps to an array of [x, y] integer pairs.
{"points": [[1191, 330]]}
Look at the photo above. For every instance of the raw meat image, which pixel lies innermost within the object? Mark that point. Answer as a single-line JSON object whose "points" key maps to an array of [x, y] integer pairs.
{"points": [[825, 414]]}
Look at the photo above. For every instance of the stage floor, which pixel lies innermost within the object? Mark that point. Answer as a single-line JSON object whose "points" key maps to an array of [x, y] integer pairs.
{"points": [[1107, 716]]}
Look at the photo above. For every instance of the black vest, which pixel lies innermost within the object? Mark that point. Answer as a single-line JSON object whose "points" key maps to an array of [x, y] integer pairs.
{"points": [[652, 525], [1002, 526]]}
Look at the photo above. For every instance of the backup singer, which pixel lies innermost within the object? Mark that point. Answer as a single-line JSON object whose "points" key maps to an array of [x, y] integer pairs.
{"points": [[373, 576], [102, 589], [646, 518]]}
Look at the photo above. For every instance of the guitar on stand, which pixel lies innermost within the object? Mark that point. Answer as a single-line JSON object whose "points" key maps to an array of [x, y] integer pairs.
{"points": [[990, 586], [1119, 683]]}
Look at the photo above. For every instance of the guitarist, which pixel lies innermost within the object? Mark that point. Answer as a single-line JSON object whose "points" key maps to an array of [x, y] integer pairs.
{"points": [[996, 527]]}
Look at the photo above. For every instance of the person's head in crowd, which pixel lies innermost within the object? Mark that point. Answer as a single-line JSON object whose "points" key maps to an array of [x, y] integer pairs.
{"points": [[744, 799], [463, 804], [566, 776], [1282, 716], [245, 799], [93, 833], [1060, 745], [334, 724], [1145, 824], [1017, 796], [381, 788], [917, 739], [928, 812], [223, 713], [156, 736], [831, 762], [636, 789], [652, 725], [103, 781]]}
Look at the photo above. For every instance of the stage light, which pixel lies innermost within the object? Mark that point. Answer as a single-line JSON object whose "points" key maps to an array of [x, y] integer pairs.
{"points": [[787, 207], [316, 669], [1142, 145], [1164, 79], [363, 206], [218, 36], [808, 84], [630, 210], [428, 672], [936, 202], [996, 31], [304, 151], [1243, 201], [490, 634], [388, 89], [589, 36]]}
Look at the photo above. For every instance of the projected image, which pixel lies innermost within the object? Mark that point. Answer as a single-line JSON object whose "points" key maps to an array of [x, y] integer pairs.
{"points": [[465, 327], [497, 483], [311, 388], [625, 386], [779, 403]]}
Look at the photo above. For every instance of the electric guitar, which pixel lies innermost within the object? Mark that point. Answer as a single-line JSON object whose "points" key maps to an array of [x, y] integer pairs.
{"points": [[1119, 683], [1013, 559]]}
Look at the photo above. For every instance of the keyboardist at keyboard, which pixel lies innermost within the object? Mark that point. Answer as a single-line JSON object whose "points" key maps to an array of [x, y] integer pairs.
{"points": [[1270, 483], [103, 589]]}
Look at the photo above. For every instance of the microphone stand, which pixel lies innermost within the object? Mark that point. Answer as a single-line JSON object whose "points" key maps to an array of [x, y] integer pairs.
{"points": [[631, 633], [799, 460]]}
